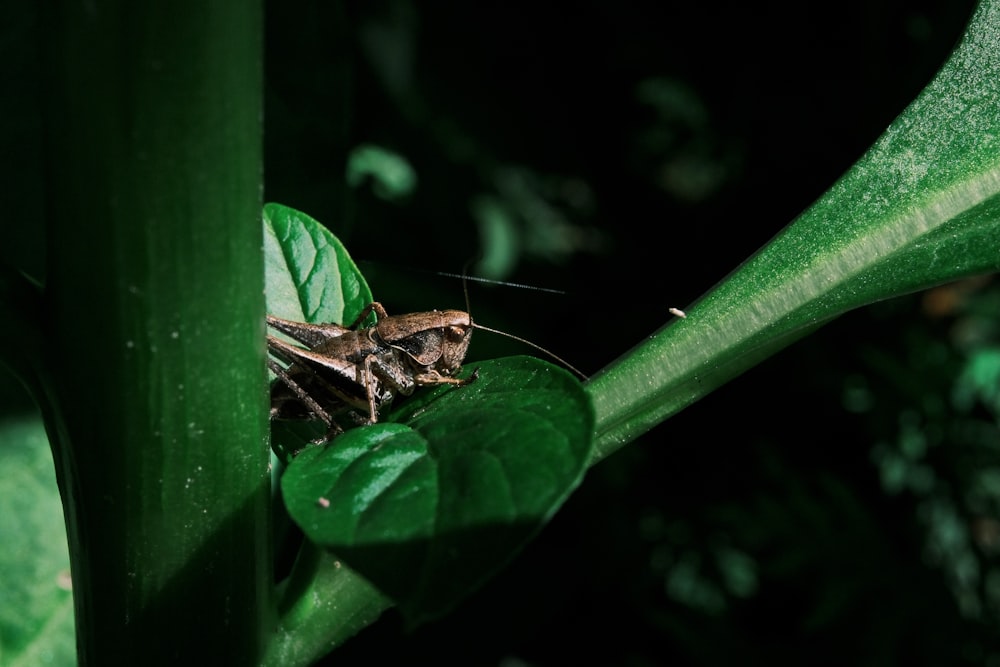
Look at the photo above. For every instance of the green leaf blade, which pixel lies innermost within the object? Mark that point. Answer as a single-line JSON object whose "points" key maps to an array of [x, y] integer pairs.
{"points": [[921, 207], [353, 489], [309, 275], [427, 511]]}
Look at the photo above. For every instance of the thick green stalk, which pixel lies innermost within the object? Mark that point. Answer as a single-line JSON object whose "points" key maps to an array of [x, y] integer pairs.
{"points": [[155, 326]]}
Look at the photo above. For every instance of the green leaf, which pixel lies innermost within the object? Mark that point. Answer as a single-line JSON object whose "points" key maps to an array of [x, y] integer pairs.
{"points": [[921, 207], [308, 274], [36, 605], [428, 509], [309, 277]]}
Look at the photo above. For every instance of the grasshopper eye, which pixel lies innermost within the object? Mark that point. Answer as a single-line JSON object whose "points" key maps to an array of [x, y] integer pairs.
{"points": [[456, 333]]}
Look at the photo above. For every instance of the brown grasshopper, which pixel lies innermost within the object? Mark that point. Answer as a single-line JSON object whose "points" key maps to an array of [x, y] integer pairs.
{"points": [[354, 371]]}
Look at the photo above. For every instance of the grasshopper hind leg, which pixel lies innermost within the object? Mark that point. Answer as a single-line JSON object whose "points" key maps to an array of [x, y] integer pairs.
{"points": [[333, 429]]}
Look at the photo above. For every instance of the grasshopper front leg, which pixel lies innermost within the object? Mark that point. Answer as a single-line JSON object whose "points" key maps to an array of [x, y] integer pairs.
{"points": [[433, 377], [401, 379], [392, 373]]}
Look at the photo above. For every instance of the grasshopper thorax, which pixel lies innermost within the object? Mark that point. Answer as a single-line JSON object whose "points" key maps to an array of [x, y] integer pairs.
{"points": [[436, 340]]}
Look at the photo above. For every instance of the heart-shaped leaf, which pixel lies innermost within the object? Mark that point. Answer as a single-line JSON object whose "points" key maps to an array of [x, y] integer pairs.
{"points": [[309, 275], [428, 509]]}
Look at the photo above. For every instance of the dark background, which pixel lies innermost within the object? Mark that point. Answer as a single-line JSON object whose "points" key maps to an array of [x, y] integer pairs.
{"points": [[838, 504], [832, 506]]}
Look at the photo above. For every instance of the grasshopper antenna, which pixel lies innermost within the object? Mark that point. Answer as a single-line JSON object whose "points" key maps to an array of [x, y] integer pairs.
{"points": [[506, 283], [525, 341], [534, 345], [465, 277]]}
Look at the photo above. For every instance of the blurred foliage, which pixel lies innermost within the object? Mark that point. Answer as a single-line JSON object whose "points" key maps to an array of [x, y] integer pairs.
{"points": [[391, 175], [36, 607]]}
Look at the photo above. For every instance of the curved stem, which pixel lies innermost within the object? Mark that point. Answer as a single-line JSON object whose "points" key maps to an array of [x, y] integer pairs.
{"points": [[323, 603]]}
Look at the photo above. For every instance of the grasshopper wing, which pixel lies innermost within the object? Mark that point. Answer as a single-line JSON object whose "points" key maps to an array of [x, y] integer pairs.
{"points": [[313, 361], [310, 335], [329, 380]]}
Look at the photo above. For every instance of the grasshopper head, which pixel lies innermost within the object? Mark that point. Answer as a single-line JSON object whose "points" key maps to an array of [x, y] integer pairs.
{"points": [[456, 333]]}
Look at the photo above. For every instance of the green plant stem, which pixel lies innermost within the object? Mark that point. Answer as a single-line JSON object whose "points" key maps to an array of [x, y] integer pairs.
{"points": [[154, 327], [323, 603]]}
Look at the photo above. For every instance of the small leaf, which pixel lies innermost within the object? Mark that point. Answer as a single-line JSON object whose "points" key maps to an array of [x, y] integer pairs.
{"points": [[429, 509], [309, 276]]}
